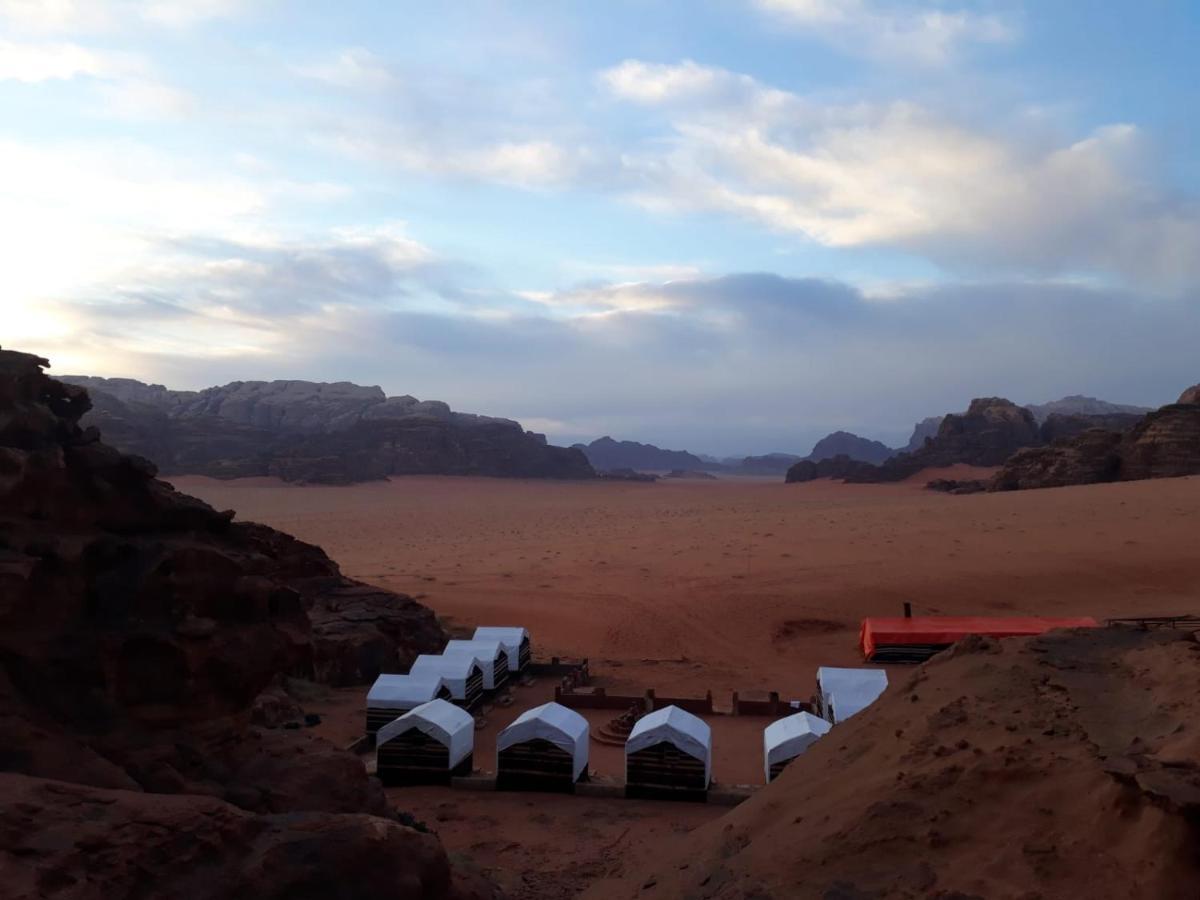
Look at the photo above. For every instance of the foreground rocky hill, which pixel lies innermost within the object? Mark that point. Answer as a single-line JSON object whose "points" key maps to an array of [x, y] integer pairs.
{"points": [[1164, 443], [305, 431], [138, 627], [1061, 766]]}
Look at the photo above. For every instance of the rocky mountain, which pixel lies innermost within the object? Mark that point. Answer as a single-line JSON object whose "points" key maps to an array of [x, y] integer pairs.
{"points": [[1078, 405], [1073, 411], [1164, 443], [843, 443], [990, 431], [606, 454], [926, 428], [314, 432], [140, 630]]}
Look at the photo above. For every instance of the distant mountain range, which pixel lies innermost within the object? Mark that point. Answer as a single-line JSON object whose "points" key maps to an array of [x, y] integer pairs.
{"points": [[306, 431], [606, 454]]}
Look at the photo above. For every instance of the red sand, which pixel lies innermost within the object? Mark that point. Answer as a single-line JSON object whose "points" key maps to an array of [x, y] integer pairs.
{"points": [[725, 585]]}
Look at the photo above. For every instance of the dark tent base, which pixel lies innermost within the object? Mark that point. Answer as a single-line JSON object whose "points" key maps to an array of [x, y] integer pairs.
{"points": [[663, 772], [400, 775], [777, 768], [666, 792], [536, 765], [905, 653]]}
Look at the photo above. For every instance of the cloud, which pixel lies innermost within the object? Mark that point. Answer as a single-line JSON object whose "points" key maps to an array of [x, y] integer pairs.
{"points": [[901, 176], [105, 15], [352, 67], [743, 362], [923, 35], [125, 83]]}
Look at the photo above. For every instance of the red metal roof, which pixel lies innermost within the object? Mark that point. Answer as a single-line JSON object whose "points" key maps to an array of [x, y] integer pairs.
{"points": [[948, 629]]}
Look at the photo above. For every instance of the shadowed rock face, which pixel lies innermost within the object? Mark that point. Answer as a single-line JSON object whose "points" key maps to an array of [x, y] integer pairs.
{"points": [[843, 443], [988, 433], [137, 627], [304, 431], [606, 455], [1162, 444]]}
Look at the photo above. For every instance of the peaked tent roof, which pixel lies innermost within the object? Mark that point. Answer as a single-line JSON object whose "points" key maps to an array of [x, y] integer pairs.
{"points": [[846, 692], [454, 669], [689, 733], [446, 723], [789, 737], [553, 722], [484, 653], [510, 637], [403, 691]]}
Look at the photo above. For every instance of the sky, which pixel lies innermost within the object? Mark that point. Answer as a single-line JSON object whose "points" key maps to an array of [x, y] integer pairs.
{"points": [[730, 226]]}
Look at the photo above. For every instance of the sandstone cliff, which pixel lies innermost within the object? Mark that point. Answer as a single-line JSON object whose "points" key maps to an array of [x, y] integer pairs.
{"points": [[1162, 444], [137, 628], [990, 431], [314, 432], [843, 443]]}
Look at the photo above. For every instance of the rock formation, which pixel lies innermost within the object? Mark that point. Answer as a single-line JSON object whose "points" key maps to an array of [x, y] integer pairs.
{"points": [[1162, 444], [990, 431], [304, 431], [926, 428], [1078, 405], [606, 454], [843, 443], [137, 628], [842, 468], [1057, 426]]}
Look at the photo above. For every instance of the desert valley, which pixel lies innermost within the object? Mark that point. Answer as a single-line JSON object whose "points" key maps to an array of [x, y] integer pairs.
{"points": [[674, 450]]}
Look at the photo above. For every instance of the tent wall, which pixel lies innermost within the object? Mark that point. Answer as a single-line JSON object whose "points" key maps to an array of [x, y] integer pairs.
{"points": [[537, 765], [663, 771]]}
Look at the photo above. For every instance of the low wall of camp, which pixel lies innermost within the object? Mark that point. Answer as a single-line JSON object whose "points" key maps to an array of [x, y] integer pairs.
{"points": [[599, 698]]}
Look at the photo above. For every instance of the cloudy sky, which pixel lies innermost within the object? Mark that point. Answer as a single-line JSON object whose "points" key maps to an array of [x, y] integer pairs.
{"points": [[725, 225]]}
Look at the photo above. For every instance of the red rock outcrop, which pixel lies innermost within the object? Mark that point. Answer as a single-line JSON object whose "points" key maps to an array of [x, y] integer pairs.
{"points": [[990, 431], [137, 628], [1061, 766], [1162, 444], [304, 432], [83, 843]]}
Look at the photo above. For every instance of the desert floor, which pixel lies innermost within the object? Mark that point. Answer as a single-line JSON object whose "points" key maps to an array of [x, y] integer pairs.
{"points": [[737, 584]]}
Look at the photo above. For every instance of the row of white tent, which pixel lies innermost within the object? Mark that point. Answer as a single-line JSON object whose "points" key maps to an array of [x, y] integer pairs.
{"points": [[449, 675], [841, 694]]}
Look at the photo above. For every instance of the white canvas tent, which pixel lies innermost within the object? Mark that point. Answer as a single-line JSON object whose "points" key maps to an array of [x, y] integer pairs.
{"points": [[688, 733], [562, 727], [487, 654], [456, 670], [393, 695], [845, 692], [403, 692], [513, 639], [450, 726], [787, 738]]}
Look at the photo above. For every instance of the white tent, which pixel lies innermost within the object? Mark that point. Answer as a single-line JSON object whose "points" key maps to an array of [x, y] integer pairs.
{"points": [[510, 638], [486, 653], [454, 670], [446, 723], [687, 732], [403, 692], [846, 692], [788, 738], [553, 722]]}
